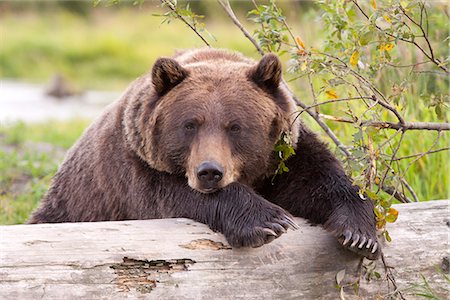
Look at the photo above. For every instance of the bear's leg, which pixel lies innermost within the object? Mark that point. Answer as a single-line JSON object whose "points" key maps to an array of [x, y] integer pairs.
{"points": [[245, 218], [316, 188]]}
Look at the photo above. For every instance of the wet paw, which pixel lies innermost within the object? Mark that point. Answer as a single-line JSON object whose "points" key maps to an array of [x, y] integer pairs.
{"points": [[360, 243]]}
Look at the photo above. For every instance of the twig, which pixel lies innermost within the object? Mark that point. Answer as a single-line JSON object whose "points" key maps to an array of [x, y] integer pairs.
{"points": [[419, 154], [227, 7], [408, 125], [389, 276], [423, 154], [425, 36], [389, 140], [407, 66], [394, 126], [174, 9], [410, 189], [324, 126], [394, 153], [335, 100]]}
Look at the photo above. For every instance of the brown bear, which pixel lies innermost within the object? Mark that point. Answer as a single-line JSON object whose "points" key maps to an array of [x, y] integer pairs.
{"points": [[195, 139]]}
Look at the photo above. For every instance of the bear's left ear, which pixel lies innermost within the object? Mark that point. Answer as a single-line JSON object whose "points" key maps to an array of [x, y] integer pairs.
{"points": [[267, 73], [166, 74]]}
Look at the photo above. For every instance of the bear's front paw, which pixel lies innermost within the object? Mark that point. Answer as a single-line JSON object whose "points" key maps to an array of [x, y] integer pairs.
{"points": [[366, 245], [260, 227], [356, 232]]}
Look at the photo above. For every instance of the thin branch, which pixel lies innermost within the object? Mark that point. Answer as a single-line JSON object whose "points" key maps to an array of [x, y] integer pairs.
{"points": [[389, 140], [174, 9], [420, 154], [313, 93], [336, 119], [425, 36], [333, 101], [408, 125], [227, 7], [390, 108], [324, 126], [410, 189], [288, 30], [394, 153], [394, 126], [407, 66], [390, 277]]}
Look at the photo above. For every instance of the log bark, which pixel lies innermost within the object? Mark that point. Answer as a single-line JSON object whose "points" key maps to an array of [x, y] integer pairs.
{"points": [[182, 259]]}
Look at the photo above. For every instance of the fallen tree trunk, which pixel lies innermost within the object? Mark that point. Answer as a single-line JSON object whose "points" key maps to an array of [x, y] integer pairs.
{"points": [[182, 259]]}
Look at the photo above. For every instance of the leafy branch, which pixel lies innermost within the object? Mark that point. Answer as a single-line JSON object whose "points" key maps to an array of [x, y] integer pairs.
{"points": [[430, 55], [176, 12]]}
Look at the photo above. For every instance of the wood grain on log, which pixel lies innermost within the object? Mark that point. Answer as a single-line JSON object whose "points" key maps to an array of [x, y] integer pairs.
{"points": [[182, 259]]}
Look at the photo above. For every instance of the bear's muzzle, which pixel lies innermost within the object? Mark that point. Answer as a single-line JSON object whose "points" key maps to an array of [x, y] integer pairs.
{"points": [[209, 174]]}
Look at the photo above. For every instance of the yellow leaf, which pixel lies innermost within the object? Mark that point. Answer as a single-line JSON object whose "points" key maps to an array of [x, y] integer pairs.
{"points": [[377, 180], [354, 58], [393, 211], [299, 42], [373, 3], [387, 19], [388, 47], [381, 223], [331, 94]]}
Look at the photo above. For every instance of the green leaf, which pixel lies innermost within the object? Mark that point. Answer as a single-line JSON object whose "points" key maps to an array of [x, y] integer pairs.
{"points": [[391, 218], [378, 213], [371, 195], [388, 238]]}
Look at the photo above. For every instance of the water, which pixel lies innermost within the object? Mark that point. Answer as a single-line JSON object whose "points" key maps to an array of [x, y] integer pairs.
{"points": [[28, 102]]}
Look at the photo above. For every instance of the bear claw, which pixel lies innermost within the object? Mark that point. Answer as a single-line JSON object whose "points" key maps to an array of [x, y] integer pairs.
{"points": [[270, 232], [355, 242], [375, 246], [348, 236], [363, 240]]}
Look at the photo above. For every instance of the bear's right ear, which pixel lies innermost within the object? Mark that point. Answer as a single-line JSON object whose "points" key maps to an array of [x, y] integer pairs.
{"points": [[267, 73], [166, 74]]}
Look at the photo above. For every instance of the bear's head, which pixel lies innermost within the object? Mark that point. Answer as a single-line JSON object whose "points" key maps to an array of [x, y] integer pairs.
{"points": [[213, 121]]}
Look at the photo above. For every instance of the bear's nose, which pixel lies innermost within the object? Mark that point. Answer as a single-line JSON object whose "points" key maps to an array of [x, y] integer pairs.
{"points": [[209, 173]]}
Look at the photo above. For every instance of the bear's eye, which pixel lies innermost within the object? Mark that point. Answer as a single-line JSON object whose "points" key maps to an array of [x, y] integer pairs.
{"points": [[235, 128], [190, 126]]}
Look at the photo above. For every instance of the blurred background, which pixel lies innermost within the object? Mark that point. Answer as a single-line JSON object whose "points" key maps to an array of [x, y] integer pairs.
{"points": [[61, 62]]}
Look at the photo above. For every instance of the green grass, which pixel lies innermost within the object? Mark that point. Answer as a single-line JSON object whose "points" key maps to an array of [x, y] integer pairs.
{"points": [[29, 157], [98, 51]]}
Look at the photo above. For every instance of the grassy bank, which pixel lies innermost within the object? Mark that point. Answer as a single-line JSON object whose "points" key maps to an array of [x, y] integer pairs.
{"points": [[30, 155]]}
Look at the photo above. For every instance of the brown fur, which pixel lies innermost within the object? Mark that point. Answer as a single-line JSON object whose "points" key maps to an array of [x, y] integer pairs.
{"points": [[141, 158]]}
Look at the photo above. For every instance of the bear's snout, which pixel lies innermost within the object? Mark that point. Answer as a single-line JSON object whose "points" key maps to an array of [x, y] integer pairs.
{"points": [[209, 174]]}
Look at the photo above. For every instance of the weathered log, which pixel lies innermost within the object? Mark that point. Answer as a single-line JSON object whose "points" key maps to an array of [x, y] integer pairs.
{"points": [[182, 259]]}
